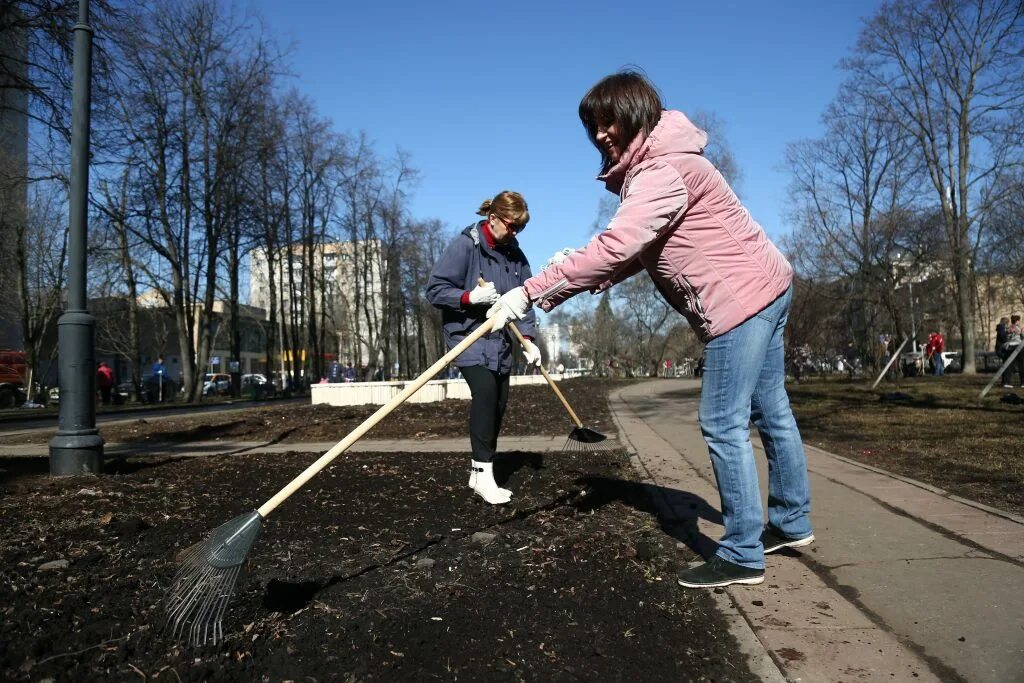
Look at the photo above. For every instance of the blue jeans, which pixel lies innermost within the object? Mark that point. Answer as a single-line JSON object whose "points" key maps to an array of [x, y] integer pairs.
{"points": [[940, 366], [744, 381]]}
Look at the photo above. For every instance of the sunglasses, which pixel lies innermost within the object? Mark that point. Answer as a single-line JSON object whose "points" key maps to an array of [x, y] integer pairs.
{"points": [[512, 227]]}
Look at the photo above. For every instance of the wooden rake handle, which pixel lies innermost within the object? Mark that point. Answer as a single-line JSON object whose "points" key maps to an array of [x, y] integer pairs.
{"points": [[551, 382], [357, 433]]}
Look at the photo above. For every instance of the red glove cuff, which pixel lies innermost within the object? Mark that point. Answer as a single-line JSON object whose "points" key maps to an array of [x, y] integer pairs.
{"points": [[465, 299]]}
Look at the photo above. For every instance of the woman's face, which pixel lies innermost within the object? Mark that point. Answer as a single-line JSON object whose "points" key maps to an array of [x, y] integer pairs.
{"points": [[609, 141], [503, 229]]}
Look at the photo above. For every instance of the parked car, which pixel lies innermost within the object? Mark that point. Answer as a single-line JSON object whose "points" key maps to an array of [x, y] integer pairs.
{"points": [[258, 386], [255, 378], [125, 390], [216, 384], [12, 395]]}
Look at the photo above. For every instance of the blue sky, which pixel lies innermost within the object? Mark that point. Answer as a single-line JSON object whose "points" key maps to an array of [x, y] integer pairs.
{"points": [[484, 95]]}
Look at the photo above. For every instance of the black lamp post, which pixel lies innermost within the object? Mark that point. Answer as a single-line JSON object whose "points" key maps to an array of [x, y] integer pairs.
{"points": [[77, 447]]}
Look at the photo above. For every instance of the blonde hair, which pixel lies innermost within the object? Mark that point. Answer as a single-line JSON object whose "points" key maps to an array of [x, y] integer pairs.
{"points": [[507, 205]]}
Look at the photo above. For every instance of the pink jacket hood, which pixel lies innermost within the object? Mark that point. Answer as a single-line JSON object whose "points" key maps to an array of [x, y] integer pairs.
{"points": [[681, 222], [674, 134]]}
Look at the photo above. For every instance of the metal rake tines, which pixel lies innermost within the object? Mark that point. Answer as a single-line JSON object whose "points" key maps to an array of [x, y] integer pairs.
{"points": [[574, 446], [197, 603], [583, 439], [202, 588]]}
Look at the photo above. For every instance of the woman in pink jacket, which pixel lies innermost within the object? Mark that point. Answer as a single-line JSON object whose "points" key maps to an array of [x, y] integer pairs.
{"points": [[680, 221]]}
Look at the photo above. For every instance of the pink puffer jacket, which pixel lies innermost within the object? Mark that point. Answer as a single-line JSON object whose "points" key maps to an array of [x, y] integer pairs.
{"points": [[679, 220]]}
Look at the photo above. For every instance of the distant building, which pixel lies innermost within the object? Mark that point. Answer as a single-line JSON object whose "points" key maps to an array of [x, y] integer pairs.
{"points": [[551, 334], [158, 335], [13, 168], [344, 274]]}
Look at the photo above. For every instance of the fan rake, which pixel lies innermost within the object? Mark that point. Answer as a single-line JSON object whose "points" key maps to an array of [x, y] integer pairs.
{"points": [[581, 438], [198, 597]]}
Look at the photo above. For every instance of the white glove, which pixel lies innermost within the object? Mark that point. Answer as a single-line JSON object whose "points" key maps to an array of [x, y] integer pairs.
{"points": [[558, 257], [531, 353], [512, 305], [483, 294]]}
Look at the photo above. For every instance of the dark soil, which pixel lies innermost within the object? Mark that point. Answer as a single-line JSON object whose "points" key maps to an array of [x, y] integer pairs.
{"points": [[532, 410], [578, 582]]}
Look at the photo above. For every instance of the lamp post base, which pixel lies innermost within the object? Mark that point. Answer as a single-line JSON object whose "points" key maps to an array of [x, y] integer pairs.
{"points": [[73, 454]]}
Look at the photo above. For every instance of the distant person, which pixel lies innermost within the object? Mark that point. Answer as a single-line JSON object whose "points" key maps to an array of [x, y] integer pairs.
{"points": [[349, 375], [486, 249], [105, 381], [680, 224], [851, 359], [335, 373], [1014, 338], [1002, 350], [883, 348], [159, 377], [936, 345]]}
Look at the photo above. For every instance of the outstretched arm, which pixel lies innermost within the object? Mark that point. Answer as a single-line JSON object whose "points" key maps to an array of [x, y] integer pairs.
{"points": [[656, 197]]}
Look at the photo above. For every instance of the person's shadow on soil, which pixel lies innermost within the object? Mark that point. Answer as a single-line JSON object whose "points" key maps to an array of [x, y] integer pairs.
{"points": [[508, 464], [677, 513]]}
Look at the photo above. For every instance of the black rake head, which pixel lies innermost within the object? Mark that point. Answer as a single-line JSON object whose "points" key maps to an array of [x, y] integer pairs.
{"points": [[206, 579], [585, 439]]}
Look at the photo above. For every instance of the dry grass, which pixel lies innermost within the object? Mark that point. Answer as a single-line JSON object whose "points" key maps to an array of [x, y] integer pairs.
{"points": [[931, 429]]}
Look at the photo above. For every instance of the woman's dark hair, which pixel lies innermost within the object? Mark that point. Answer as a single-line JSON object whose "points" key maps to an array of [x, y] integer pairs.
{"points": [[627, 99]]}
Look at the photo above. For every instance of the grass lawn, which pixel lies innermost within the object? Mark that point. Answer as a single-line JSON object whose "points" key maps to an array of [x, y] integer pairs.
{"points": [[934, 429]]}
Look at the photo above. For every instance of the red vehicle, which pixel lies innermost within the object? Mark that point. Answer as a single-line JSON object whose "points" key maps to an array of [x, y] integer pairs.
{"points": [[12, 378]]}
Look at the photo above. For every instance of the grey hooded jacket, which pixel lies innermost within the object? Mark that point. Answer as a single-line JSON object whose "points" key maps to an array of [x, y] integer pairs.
{"points": [[467, 258]]}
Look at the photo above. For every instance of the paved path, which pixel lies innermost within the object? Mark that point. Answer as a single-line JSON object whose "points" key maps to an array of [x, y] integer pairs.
{"points": [[904, 582]]}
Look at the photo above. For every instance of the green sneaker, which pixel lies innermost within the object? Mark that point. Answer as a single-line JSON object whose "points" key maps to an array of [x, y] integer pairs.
{"points": [[718, 572], [772, 539]]}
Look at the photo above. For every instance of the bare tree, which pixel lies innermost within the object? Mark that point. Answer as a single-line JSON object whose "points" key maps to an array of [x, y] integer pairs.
{"points": [[847, 192], [115, 209], [191, 73], [40, 251], [950, 73]]}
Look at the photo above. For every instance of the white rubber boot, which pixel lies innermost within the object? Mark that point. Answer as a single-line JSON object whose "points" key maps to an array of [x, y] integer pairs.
{"points": [[481, 480]]}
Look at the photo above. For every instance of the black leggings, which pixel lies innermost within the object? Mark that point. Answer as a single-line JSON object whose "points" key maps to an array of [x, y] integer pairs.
{"points": [[490, 396]]}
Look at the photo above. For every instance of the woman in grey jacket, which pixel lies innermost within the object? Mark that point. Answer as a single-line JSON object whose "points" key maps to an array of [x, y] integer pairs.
{"points": [[486, 250]]}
